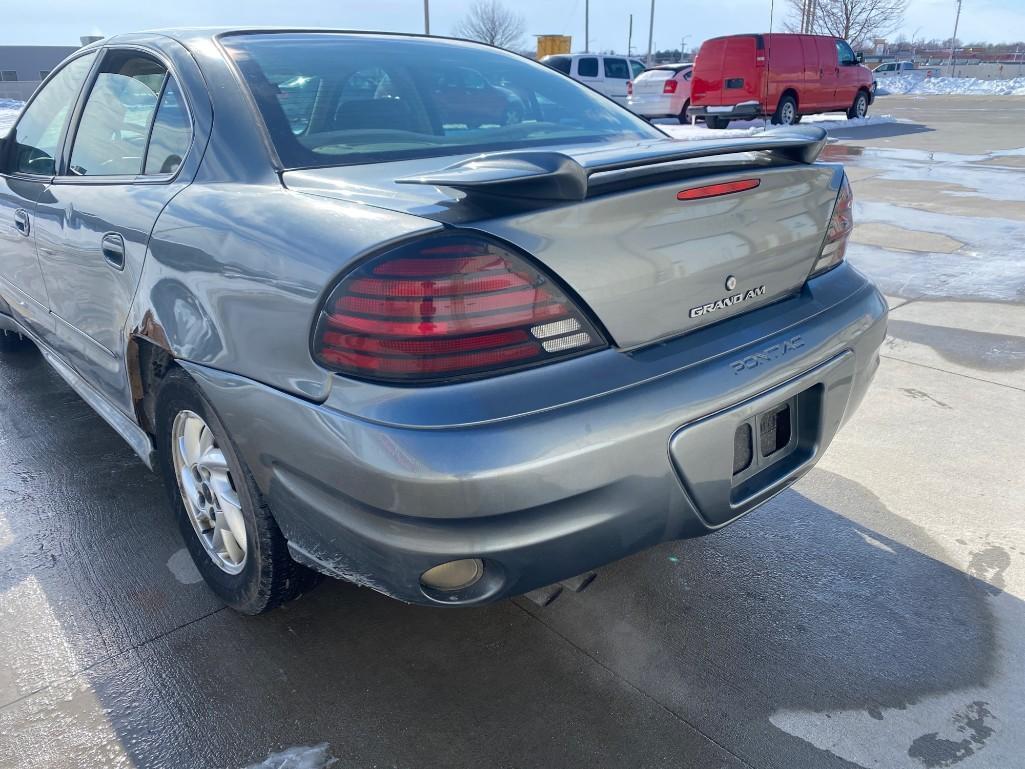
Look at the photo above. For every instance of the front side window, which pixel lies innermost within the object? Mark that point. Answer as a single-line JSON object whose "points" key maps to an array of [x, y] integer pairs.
{"points": [[112, 132], [588, 67], [844, 54], [171, 134], [38, 133], [616, 69], [336, 99]]}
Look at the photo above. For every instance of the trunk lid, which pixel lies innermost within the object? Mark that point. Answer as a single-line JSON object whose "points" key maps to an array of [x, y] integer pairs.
{"points": [[649, 266], [652, 82]]}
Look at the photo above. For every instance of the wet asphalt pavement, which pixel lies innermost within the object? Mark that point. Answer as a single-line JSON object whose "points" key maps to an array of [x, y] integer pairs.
{"points": [[872, 616]]}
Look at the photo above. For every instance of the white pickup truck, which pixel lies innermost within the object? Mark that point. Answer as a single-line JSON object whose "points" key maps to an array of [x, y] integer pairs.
{"points": [[897, 68]]}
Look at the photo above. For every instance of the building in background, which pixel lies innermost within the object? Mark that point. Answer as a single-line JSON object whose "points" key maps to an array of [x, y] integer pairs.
{"points": [[23, 67]]}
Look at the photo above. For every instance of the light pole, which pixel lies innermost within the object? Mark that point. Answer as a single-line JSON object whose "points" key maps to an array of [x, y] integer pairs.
{"points": [[587, 26], [953, 40], [427, 17], [651, 32], [630, 37]]}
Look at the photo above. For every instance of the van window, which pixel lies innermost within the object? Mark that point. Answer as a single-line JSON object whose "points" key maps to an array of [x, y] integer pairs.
{"points": [[587, 67], [616, 69], [636, 67], [844, 54]]}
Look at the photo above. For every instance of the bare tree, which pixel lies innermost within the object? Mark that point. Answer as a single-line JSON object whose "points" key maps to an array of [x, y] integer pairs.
{"points": [[857, 21], [488, 21]]}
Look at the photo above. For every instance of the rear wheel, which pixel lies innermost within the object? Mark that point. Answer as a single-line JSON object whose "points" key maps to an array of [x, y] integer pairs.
{"points": [[229, 531], [860, 107], [682, 117], [716, 122], [786, 111]]}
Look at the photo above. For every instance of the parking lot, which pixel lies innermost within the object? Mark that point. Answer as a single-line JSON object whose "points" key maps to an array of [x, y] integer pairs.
{"points": [[872, 616]]}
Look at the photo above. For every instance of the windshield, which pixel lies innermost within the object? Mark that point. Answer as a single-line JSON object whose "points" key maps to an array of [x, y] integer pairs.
{"points": [[335, 99]]}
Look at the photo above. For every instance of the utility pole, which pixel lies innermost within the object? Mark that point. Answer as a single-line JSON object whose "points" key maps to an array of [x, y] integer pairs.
{"points": [[953, 40], [587, 26], [651, 32], [630, 37], [427, 17]]}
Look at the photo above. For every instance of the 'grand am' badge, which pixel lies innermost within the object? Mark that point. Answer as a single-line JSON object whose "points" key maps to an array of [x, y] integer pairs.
{"points": [[727, 301]]}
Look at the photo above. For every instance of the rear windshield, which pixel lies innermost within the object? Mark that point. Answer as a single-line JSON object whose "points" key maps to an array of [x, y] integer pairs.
{"points": [[335, 99]]}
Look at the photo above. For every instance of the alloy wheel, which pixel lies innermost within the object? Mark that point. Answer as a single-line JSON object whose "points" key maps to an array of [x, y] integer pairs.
{"points": [[209, 492]]}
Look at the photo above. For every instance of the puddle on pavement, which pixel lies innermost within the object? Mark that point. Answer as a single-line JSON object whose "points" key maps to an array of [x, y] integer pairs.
{"points": [[316, 757]]}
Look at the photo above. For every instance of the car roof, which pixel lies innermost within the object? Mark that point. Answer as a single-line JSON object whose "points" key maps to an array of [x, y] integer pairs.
{"points": [[189, 36]]}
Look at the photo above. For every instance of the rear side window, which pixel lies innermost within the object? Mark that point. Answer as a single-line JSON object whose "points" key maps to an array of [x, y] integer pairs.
{"points": [[559, 63], [616, 69], [587, 67], [171, 134], [39, 130], [114, 127]]}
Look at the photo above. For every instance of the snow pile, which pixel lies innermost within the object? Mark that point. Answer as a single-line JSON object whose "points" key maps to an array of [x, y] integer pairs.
{"points": [[9, 109], [916, 84], [750, 127]]}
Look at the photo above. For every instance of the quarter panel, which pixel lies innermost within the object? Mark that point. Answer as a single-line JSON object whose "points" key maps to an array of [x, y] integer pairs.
{"points": [[236, 274]]}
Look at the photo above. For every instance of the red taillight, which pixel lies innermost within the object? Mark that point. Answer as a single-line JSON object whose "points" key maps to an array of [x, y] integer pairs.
{"points": [[670, 86], [629, 87], [446, 307], [841, 223]]}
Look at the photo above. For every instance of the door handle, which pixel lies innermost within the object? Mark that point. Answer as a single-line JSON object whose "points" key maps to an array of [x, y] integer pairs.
{"points": [[113, 247], [21, 222]]}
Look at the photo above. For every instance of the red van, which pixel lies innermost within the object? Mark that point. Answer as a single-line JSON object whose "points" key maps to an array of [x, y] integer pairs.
{"points": [[740, 77]]}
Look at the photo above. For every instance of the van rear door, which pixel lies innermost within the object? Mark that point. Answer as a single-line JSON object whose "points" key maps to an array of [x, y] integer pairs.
{"points": [[706, 85], [740, 76]]}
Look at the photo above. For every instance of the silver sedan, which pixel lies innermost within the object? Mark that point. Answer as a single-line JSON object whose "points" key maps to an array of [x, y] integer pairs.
{"points": [[368, 321]]}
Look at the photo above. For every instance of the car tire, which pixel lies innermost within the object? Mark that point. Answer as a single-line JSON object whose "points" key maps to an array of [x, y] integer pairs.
{"points": [[682, 117], [716, 122], [859, 108], [13, 342], [786, 111], [266, 575]]}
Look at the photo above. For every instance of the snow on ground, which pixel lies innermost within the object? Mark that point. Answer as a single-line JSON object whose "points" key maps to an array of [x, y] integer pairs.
{"points": [[751, 127], [916, 84], [8, 112]]}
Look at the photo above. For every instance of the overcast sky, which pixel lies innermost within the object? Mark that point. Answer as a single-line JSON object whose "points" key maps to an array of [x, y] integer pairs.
{"points": [[63, 21]]}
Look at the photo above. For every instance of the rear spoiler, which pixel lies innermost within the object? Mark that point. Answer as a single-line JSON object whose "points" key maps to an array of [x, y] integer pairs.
{"points": [[547, 175]]}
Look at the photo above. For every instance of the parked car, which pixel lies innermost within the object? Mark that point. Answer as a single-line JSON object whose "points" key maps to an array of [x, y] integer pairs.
{"points": [[662, 91], [606, 74], [782, 76], [449, 364], [898, 68]]}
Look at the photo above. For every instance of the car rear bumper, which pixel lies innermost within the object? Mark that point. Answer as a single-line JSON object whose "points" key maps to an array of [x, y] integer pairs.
{"points": [[557, 491], [655, 105], [745, 111]]}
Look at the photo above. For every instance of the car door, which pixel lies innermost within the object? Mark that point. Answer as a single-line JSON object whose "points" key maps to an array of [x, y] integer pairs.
{"points": [[829, 72], [617, 75], [119, 168], [849, 76], [28, 165], [587, 72]]}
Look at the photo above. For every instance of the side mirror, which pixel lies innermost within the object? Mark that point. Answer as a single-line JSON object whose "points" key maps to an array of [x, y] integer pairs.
{"points": [[860, 57]]}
